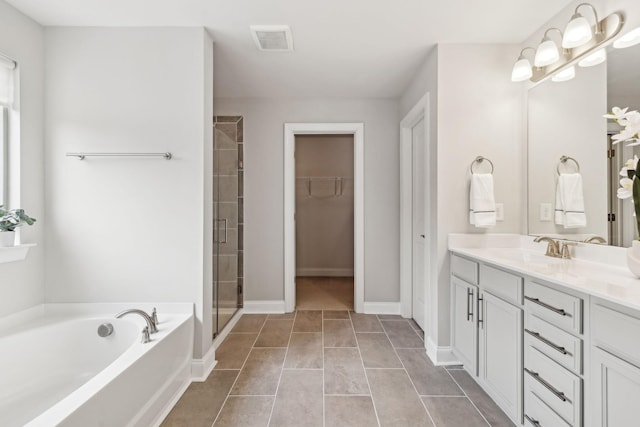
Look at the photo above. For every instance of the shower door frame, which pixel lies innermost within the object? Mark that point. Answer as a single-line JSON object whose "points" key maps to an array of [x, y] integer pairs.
{"points": [[290, 132]]}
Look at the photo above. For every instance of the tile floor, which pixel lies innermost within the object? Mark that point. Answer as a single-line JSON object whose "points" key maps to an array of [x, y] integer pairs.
{"points": [[324, 293], [331, 368]]}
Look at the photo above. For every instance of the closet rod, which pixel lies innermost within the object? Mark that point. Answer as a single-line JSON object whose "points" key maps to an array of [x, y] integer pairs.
{"points": [[81, 156]]}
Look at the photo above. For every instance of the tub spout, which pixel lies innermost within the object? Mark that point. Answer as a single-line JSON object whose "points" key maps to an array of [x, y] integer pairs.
{"points": [[150, 323]]}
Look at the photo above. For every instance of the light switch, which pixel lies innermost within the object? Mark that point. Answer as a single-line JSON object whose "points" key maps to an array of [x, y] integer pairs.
{"points": [[499, 211], [545, 211]]}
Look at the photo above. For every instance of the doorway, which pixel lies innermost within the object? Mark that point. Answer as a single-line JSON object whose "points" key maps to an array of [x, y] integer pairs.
{"points": [[417, 232], [291, 131], [324, 222]]}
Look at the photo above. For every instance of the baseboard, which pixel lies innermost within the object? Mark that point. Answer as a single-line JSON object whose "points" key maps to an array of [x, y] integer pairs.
{"points": [[201, 368], [324, 272], [440, 356], [263, 307], [381, 307]]}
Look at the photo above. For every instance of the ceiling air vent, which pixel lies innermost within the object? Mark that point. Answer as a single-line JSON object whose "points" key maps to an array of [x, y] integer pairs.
{"points": [[273, 38]]}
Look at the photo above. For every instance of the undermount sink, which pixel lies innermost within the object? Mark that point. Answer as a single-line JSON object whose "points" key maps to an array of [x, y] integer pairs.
{"points": [[525, 255]]}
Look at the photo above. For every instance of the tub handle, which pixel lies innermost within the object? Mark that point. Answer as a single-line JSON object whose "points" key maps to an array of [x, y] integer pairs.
{"points": [[105, 330]]}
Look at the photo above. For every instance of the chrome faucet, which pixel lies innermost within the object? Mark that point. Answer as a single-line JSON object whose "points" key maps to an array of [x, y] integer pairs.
{"points": [[149, 329], [553, 249], [595, 239]]}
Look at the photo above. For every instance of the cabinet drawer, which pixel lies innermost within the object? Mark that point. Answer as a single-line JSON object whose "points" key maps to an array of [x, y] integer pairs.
{"points": [[502, 284], [554, 385], [537, 414], [559, 345], [556, 307], [464, 269], [616, 332]]}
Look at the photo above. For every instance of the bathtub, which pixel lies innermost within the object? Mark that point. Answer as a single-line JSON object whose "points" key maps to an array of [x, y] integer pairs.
{"points": [[57, 371]]}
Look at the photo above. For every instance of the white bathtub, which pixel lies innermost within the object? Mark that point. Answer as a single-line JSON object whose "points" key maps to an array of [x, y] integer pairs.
{"points": [[56, 370]]}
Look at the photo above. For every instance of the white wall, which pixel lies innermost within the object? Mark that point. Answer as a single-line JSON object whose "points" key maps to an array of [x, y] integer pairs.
{"points": [[324, 210], [264, 120], [22, 283], [476, 111], [129, 229]]}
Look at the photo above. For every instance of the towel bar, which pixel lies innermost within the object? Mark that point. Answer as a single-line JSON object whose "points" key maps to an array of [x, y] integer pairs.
{"points": [[565, 159], [479, 160]]}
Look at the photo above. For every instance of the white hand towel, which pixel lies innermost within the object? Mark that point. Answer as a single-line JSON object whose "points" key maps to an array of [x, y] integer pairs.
{"points": [[569, 210], [482, 205]]}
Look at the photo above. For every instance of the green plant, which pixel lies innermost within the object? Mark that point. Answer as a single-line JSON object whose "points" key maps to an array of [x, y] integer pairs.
{"points": [[14, 218]]}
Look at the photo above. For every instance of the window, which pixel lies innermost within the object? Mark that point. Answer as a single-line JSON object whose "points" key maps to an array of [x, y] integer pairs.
{"points": [[7, 71]]}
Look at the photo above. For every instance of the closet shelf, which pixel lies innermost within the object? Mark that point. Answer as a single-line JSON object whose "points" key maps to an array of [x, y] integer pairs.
{"points": [[15, 253]]}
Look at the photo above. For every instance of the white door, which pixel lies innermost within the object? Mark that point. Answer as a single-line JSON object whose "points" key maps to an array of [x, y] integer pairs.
{"points": [[418, 226]]}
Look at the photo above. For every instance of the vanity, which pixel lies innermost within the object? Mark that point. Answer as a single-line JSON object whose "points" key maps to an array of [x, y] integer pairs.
{"points": [[555, 342]]}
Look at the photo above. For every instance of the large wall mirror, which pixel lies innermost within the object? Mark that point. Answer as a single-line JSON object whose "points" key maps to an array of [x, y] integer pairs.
{"points": [[567, 134]]}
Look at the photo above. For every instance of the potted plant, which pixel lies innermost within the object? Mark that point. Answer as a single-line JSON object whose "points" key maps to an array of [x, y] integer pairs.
{"points": [[9, 221], [630, 173]]}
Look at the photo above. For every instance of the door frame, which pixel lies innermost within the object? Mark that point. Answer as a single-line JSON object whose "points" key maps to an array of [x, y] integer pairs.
{"points": [[419, 112], [290, 132]]}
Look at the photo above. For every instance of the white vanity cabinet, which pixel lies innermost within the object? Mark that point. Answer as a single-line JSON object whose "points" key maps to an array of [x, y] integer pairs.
{"points": [[615, 365], [487, 329]]}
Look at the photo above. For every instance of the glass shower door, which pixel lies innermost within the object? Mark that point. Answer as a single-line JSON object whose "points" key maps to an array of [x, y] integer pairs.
{"points": [[228, 219]]}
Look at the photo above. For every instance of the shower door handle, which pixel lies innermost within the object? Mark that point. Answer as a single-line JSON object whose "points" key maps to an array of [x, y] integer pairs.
{"points": [[225, 231]]}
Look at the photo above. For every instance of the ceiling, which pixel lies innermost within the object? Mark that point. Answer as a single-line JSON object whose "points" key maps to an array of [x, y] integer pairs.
{"points": [[343, 48]]}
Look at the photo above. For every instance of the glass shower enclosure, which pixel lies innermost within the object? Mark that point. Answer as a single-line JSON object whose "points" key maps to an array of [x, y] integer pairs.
{"points": [[228, 200]]}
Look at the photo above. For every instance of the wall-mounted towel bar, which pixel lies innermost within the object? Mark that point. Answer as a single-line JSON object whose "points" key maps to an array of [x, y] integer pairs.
{"points": [[81, 156], [564, 160], [333, 185], [479, 160]]}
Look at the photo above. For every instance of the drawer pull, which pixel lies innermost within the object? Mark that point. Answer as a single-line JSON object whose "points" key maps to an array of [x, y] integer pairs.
{"points": [[556, 347], [548, 386], [534, 422], [547, 306]]}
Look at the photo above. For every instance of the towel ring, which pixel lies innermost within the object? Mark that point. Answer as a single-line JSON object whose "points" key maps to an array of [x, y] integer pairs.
{"points": [[564, 159], [481, 159]]}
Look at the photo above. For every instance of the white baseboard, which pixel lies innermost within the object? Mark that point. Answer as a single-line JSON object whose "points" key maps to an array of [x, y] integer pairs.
{"points": [[381, 307], [263, 307], [440, 356], [324, 272], [201, 368]]}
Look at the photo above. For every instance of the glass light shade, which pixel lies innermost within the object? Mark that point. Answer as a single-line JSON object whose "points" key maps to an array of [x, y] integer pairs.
{"points": [[564, 75], [546, 54], [577, 33], [597, 57], [629, 39], [521, 70]]}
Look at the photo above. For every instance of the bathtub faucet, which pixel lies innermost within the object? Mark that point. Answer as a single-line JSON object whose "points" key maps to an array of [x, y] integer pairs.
{"points": [[151, 326]]}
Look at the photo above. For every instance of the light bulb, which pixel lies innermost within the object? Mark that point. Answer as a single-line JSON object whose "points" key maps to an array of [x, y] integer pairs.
{"points": [[597, 57], [564, 75], [629, 39], [546, 54], [521, 70], [577, 32]]}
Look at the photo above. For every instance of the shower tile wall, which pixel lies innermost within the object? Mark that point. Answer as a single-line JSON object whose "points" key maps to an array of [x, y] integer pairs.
{"points": [[228, 204]]}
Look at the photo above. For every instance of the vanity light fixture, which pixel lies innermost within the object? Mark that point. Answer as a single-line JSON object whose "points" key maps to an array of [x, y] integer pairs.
{"points": [[564, 75], [547, 52], [581, 45], [597, 57], [630, 39], [522, 67], [578, 30]]}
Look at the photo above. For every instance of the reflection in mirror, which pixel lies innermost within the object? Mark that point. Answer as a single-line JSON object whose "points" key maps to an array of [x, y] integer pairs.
{"points": [[565, 119]]}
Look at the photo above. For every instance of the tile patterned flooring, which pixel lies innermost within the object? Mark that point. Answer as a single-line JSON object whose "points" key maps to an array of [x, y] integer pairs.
{"points": [[331, 368], [324, 293]]}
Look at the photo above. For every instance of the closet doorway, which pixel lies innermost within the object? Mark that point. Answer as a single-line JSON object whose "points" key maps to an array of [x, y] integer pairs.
{"points": [[324, 222], [325, 254]]}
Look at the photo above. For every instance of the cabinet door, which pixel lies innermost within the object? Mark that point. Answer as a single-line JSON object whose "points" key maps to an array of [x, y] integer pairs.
{"points": [[616, 390], [500, 353], [464, 338]]}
